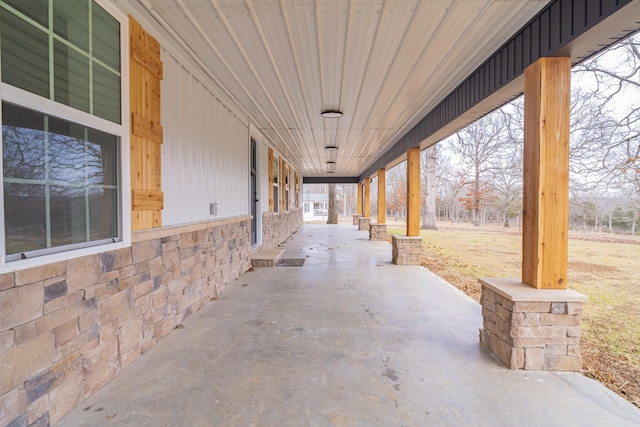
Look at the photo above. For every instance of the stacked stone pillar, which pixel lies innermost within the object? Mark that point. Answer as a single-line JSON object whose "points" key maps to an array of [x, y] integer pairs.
{"points": [[378, 232], [364, 224], [531, 329], [406, 250]]}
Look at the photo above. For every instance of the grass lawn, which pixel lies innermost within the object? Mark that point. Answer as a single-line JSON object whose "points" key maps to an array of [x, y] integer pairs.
{"points": [[606, 268]]}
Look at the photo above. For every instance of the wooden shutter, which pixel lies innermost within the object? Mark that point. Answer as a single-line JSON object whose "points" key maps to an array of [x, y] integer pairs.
{"points": [[145, 67], [270, 169]]}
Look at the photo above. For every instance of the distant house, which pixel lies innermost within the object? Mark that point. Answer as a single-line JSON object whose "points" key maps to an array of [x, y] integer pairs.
{"points": [[315, 205]]}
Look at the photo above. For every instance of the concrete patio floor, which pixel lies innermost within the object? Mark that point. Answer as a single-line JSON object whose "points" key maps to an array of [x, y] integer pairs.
{"points": [[346, 340]]}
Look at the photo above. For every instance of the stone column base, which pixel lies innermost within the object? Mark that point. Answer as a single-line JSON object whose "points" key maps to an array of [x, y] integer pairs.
{"points": [[378, 232], [364, 224], [532, 329], [407, 250], [356, 219]]}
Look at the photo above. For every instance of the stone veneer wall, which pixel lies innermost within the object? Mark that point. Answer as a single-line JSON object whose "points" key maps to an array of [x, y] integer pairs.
{"points": [[277, 227], [66, 329], [531, 329]]}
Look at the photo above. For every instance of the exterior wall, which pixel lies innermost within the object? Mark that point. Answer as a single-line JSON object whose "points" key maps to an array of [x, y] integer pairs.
{"points": [[68, 328], [205, 154], [276, 228]]}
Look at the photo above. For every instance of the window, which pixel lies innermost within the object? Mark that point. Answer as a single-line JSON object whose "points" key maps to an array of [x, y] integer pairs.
{"points": [[58, 58], [61, 126]]}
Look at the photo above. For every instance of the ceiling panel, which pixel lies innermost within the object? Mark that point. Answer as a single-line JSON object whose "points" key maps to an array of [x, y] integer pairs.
{"points": [[385, 64]]}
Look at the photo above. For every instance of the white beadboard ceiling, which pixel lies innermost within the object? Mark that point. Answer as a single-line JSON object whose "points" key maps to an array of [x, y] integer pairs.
{"points": [[384, 64]]}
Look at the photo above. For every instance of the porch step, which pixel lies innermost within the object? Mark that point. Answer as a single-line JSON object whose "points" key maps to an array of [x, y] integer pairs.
{"points": [[267, 257]]}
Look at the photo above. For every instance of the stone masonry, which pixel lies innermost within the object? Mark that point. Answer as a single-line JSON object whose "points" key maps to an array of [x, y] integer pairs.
{"points": [[68, 328], [378, 232], [529, 328], [277, 227], [363, 224], [356, 219], [406, 250]]}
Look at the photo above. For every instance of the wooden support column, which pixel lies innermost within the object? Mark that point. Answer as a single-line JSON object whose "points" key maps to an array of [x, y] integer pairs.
{"points": [[359, 201], [546, 173], [544, 239], [145, 74], [367, 198], [413, 191], [382, 201]]}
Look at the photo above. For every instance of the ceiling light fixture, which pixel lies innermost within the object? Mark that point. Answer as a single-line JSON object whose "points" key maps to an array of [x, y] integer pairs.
{"points": [[331, 114], [331, 148], [331, 162]]}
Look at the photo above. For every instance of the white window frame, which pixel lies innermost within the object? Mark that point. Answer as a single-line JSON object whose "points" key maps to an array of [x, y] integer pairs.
{"points": [[25, 99]]}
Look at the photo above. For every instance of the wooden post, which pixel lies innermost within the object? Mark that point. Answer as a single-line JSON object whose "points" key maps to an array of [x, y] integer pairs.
{"points": [[546, 173], [413, 191], [382, 202], [367, 198], [359, 202], [285, 178], [270, 169]]}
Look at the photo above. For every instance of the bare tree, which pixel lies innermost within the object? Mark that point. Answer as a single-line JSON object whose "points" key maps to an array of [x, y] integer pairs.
{"points": [[448, 186], [608, 105], [506, 165], [429, 176], [396, 194], [373, 198], [332, 216], [476, 145]]}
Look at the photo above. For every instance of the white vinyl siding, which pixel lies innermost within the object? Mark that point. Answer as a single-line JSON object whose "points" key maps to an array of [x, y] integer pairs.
{"points": [[205, 154]]}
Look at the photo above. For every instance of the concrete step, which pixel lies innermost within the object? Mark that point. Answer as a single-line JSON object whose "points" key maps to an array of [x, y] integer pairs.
{"points": [[267, 257]]}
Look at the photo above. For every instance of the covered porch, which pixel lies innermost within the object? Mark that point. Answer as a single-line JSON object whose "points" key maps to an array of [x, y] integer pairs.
{"points": [[348, 339], [204, 119]]}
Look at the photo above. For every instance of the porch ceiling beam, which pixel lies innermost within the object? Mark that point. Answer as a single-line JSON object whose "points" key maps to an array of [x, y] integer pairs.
{"points": [[572, 28]]}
